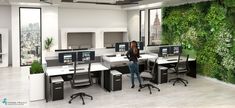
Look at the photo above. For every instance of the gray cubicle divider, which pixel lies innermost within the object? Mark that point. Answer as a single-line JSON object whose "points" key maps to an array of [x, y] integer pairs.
{"points": [[55, 61]]}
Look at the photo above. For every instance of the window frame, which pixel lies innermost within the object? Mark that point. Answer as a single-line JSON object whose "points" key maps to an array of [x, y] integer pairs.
{"points": [[39, 35], [140, 22], [149, 26]]}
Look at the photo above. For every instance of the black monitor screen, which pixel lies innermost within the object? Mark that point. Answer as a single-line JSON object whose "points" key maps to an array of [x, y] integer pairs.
{"points": [[67, 57], [86, 56], [140, 45], [121, 47], [163, 51], [175, 50]]}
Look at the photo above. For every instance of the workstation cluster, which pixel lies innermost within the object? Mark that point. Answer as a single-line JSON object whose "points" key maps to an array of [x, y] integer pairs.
{"points": [[107, 69]]}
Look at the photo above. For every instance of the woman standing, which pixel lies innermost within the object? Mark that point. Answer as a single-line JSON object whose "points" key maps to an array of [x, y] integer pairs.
{"points": [[133, 55]]}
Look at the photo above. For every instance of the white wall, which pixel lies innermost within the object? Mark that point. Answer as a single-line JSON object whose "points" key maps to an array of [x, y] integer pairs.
{"points": [[5, 19], [50, 27], [133, 21], [5, 22], [15, 36], [54, 18], [133, 24], [91, 18], [4, 47]]}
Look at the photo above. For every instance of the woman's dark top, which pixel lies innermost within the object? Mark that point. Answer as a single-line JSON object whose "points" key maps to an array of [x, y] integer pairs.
{"points": [[131, 56]]}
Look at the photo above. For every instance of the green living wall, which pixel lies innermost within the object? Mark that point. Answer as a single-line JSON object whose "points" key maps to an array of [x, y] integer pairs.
{"points": [[206, 32]]}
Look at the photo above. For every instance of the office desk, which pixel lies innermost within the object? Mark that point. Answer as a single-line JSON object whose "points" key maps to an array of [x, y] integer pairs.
{"points": [[121, 63], [63, 70], [173, 60], [122, 60]]}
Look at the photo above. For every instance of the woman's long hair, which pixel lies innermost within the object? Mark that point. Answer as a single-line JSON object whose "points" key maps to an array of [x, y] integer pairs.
{"points": [[134, 47]]}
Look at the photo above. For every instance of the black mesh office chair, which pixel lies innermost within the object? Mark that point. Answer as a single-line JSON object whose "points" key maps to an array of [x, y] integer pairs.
{"points": [[180, 68], [148, 75], [79, 81]]}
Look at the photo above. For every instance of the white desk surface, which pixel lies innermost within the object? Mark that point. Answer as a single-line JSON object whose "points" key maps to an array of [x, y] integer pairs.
{"points": [[62, 70], [122, 58], [162, 60]]}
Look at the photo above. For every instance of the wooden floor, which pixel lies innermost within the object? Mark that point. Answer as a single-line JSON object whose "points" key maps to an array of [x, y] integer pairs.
{"points": [[200, 93]]}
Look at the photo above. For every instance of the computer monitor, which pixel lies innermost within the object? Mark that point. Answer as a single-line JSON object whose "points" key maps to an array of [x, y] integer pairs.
{"points": [[140, 45], [163, 51], [67, 57], [121, 47], [175, 50], [86, 56]]}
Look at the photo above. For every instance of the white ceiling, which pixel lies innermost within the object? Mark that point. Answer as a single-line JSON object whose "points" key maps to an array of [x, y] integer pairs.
{"points": [[142, 4], [159, 3]]}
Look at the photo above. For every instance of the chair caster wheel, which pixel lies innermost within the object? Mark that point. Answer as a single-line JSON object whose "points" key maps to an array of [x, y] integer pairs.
{"points": [[173, 84], [159, 90], [83, 103], [91, 98], [138, 90], [69, 102], [150, 92], [185, 85]]}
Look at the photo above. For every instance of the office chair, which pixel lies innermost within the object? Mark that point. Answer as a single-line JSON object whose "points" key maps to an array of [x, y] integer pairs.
{"points": [[180, 68], [149, 75], [81, 80]]}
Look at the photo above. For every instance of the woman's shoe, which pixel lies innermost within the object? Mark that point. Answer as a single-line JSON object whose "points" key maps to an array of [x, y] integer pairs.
{"points": [[132, 86]]}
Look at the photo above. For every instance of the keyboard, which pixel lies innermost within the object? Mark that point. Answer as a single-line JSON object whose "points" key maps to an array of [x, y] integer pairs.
{"points": [[126, 57], [111, 55], [173, 59], [77, 69]]}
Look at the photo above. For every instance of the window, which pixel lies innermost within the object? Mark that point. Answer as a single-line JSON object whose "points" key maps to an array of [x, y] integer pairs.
{"points": [[30, 35], [154, 24], [142, 26], [1, 48]]}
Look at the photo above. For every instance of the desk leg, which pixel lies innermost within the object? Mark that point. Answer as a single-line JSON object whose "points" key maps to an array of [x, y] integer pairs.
{"points": [[106, 80], [47, 91], [102, 79]]}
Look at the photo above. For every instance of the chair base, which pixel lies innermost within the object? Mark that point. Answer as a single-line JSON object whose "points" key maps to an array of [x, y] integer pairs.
{"points": [[81, 95], [149, 87], [185, 82]]}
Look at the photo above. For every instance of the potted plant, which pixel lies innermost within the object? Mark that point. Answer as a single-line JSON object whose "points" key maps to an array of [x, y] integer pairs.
{"points": [[37, 82], [48, 43]]}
